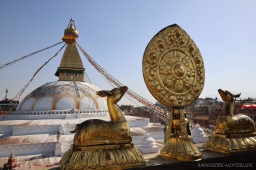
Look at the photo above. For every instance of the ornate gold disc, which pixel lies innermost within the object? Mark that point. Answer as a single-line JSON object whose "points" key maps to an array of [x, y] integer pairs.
{"points": [[173, 68]]}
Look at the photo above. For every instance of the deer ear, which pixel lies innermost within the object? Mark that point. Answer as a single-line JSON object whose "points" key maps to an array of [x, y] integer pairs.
{"points": [[104, 93], [237, 95]]}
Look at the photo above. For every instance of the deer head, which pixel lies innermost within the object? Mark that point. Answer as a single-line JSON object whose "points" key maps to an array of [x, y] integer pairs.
{"points": [[113, 95], [227, 96]]}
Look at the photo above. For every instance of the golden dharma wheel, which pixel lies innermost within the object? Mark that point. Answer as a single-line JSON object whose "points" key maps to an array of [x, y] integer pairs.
{"points": [[173, 68]]}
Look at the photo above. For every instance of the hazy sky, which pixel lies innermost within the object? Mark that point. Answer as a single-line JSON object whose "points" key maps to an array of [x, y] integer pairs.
{"points": [[115, 33]]}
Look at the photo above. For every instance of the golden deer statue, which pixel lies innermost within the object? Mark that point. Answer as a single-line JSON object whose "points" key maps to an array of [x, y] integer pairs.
{"points": [[99, 144], [100, 132], [233, 133], [229, 124]]}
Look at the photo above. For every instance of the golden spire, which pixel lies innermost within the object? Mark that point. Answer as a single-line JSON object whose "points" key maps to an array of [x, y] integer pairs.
{"points": [[71, 66]]}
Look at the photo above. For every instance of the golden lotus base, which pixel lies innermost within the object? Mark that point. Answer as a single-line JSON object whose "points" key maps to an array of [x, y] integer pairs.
{"points": [[107, 157], [181, 149], [233, 144]]}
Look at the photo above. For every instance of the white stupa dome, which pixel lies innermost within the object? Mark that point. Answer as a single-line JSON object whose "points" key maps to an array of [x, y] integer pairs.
{"points": [[147, 145], [147, 142], [198, 135], [63, 95], [197, 131]]}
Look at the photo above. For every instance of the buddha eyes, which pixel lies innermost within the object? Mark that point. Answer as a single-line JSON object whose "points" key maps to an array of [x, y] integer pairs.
{"points": [[67, 75]]}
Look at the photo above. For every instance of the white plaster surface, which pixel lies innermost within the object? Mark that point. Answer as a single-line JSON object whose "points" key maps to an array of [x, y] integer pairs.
{"points": [[198, 135], [148, 145], [102, 103], [65, 103], [65, 95], [43, 104], [27, 105], [87, 102], [28, 149]]}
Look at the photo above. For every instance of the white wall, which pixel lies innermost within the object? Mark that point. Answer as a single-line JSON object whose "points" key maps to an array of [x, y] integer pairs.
{"points": [[54, 114], [40, 129], [28, 149], [68, 128], [32, 117], [138, 122], [62, 148], [6, 130], [157, 134], [136, 139]]}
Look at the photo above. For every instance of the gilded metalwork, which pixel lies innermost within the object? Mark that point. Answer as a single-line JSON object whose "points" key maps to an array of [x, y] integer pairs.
{"points": [[107, 159], [71, 66], [71, 33], [233, 133], [98, 132], [179, 145], [173, 67], [99, 144], [173, 71], [71, 58]]}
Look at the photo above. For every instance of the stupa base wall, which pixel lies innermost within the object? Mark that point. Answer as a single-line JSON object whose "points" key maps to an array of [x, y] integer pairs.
{"points": [[46, 127], [46, 149]]}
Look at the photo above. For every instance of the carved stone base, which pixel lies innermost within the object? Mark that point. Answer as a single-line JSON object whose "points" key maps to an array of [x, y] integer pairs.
{"points": [[180, 149], [107, 157], [231, 145]]}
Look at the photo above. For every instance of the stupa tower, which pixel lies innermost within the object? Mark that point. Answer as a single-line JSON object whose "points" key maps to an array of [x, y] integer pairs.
{"points": [[71, 67]]}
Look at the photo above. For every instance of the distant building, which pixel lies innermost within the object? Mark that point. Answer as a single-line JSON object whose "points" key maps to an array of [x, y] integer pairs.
{"points": [[203, 111], [213, 116], [128, 110], [160, 105], [142, 111], [7, 105], [248, 109]]}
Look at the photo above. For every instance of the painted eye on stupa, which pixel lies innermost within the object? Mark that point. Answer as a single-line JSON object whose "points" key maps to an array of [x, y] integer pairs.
{"points": [[66, 74], [76, 75]]}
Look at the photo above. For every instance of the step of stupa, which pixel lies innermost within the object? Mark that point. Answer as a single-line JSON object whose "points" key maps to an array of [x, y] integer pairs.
{"points": [[51, 126], [42, 143], [28, 145], [36, 115], [21, 130]]}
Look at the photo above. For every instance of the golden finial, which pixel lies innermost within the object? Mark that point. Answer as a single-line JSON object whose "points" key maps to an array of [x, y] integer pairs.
{"points": [[71, 33]]}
